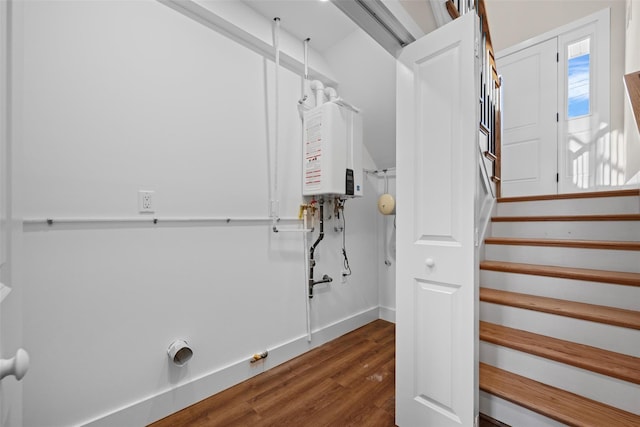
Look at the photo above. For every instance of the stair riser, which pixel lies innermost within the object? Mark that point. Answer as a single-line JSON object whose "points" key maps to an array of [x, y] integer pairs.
{"points": [[612, 338], [584, 230], [512, 414], [599, 259], [611, 391], [620, 296], [601, 205]]}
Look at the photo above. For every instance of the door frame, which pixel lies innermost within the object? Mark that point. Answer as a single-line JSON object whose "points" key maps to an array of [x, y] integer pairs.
{"points": [[11, 309], [601, 92]]}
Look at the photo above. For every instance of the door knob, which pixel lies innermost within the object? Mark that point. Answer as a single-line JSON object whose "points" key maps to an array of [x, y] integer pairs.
{"points": [[429, 262], [16, 366]]}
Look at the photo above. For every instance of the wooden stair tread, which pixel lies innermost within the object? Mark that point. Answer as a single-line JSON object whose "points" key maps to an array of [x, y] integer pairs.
{"points": [[616, 365], [578, 310], [538, 218], [452, 9], [560, 405], [565, 243], [489, 155], [601, 276], [588, 195]]}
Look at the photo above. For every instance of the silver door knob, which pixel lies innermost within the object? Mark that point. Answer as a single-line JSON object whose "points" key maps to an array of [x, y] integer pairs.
{"points": [[17, 366], [429, 262]]}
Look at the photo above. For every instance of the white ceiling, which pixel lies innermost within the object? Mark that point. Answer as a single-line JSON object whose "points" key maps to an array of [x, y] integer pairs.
{"points": [[319, 20]]}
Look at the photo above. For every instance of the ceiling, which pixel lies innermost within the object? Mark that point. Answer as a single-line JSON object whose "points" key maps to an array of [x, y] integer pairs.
{"points": [[321, 21]]}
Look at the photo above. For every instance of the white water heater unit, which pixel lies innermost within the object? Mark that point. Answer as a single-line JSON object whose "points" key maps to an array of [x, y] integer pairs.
{"points": [[332, 153]]}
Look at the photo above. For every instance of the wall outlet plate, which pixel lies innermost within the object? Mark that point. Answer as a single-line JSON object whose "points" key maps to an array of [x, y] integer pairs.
{"points": [[146, 202]]}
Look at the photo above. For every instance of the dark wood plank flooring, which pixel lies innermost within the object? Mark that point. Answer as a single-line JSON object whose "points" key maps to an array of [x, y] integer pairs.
{"points": [[349, 381]]}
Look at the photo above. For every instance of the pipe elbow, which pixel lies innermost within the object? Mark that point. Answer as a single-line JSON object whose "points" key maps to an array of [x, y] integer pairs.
{"points": [[331, 93], [318, 87]]}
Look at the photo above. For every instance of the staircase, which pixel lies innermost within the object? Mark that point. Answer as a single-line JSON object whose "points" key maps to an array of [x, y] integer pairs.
{"points": [[560, 311]]}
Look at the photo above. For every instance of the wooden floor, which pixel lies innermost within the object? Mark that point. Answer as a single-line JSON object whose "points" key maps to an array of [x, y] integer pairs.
{"points": [[347, 382]]}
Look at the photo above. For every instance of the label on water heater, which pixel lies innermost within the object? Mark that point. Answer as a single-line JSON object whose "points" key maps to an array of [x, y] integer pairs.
{"points": [[313, 152]]}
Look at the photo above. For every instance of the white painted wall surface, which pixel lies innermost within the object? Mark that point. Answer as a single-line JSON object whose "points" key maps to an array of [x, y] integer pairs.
{"points": [[515, 21], [387, 251], [377, 69], [367, 76], [123, 96]]}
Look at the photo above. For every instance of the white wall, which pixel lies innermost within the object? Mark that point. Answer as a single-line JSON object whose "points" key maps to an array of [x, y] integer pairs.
{"points": [[367, 75], [387, 252], [123, 96], [514, 21]]}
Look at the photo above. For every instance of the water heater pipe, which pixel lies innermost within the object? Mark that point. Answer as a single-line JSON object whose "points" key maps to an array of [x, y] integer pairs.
{"points": [[345, 104], [312, 262], [319, 88], [387, 258], [331, 94], [306, 58], [274, 208], [303, 102], [305, 245]]}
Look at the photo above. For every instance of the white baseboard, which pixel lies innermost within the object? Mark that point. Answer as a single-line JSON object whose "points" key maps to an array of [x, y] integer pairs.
{"points": [[388, 314], [168, 402]]}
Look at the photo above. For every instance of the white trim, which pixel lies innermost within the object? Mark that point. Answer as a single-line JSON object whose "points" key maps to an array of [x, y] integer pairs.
{"points": [[597, 26], [369, 18], [595, 17], [243, 25], [599, 32], [4, 115], [153, 408], [387, 313]]}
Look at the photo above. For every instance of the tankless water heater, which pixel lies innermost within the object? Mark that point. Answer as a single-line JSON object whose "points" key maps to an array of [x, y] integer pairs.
{"points": [[332, 153]]}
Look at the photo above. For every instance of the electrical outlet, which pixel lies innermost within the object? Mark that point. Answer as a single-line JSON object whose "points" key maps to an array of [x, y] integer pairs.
{"points": [[145, 201]]}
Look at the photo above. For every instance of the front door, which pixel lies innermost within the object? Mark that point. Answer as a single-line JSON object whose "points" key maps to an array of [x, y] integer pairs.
{"points": [[437, 128], [557, 133]]}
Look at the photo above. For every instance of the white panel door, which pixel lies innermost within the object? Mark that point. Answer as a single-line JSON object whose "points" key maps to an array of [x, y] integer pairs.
{"points": [[437, 99], [529, 119], [10, 300]]}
